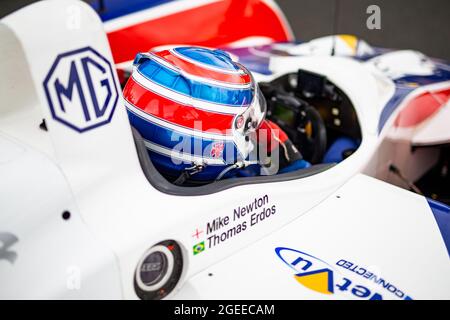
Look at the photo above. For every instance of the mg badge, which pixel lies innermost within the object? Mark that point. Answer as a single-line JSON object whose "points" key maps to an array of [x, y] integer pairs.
{"points": [[81, 90]]}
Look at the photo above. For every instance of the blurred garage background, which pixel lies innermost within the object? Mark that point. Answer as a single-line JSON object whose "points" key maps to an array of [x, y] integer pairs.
{"points": [[423, 25]]}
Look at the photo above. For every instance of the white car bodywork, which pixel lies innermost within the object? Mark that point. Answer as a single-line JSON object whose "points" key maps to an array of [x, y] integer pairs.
{"points": [[116, 214]]}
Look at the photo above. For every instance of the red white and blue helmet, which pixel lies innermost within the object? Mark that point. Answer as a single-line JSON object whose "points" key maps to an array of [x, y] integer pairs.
{"points": [[194, 107]]}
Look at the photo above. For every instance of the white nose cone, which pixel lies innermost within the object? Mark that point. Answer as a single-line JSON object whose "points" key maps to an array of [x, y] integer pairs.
{"points": [[399, 64], [344, 45]]}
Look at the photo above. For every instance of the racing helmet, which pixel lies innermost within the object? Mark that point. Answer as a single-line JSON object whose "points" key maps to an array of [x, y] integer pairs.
{"points": [[197, 110]]}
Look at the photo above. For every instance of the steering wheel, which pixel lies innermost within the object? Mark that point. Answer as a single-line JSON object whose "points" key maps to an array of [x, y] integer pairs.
{"points": [[301, 122], [312, 143]]}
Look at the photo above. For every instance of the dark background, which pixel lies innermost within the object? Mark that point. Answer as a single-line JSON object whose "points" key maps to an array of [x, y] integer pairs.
{"points": [[423, 25]]}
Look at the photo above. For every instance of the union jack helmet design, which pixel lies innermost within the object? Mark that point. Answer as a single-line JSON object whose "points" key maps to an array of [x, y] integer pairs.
{"points": [[194, 107]]}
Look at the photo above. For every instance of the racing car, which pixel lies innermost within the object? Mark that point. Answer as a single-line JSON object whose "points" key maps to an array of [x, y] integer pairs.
{"points": [[85, 214]]}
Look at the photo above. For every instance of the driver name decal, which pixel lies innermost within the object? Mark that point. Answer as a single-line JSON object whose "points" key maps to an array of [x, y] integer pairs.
{"points": [[223, 228]]}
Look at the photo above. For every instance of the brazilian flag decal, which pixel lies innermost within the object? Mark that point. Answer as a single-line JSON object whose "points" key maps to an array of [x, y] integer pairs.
{"points": [[199, 247]]}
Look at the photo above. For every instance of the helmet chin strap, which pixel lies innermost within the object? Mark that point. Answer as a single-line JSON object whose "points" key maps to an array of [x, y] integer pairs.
{"points": [[237, 165], [188, 172], [196, 168]]}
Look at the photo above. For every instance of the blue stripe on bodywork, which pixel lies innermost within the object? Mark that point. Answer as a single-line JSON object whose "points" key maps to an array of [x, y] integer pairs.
{"points": [[441, 213], [111, 9], [399, 95], [441, 74], [252, 61]]}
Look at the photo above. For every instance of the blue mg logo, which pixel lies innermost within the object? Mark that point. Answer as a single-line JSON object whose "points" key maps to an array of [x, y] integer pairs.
{"points": [[80, 89]]}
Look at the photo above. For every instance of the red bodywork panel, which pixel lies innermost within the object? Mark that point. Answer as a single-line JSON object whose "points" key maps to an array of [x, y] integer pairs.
{"points": [[421, 108], [212, 25]]}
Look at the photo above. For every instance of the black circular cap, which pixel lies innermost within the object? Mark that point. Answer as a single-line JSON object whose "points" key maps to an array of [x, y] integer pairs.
{"points": [[153, 268], [158, 274]]}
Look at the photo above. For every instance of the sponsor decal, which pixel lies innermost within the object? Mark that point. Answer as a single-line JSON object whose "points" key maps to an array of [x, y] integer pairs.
{"points": [[7, 240], [225, 227], [342, 278], [217, 149], [81, 90]]}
